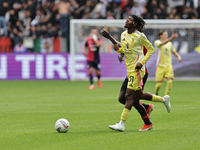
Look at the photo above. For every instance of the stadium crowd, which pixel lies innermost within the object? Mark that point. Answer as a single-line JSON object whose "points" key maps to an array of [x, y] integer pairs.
{"points": [[50, 18]]}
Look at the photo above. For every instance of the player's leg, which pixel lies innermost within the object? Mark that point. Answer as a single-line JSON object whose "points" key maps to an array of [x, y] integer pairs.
{"points": [[135, 84], [137, 96], [158, 86], [154, 98], [90, 71], [128, 105], [122, 93], [170, 76], [168, 86], [98, 73], [148, 107], [148, 96], [145, 117], [159, 79]]}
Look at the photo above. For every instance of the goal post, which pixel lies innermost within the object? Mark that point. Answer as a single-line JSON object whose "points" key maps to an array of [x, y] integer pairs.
{"points": [[186, 44]]}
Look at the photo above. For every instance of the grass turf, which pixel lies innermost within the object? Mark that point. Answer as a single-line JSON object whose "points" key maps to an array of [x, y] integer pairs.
{"points": [[29, 110]]}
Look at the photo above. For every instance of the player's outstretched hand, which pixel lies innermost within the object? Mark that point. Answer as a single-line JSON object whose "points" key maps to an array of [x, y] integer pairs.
{"points": [[120, 57], [106, 34], [116, 47], [174, 35], [138, 66]]}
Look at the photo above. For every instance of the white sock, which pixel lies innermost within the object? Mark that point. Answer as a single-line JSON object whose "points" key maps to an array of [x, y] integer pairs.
{"points": [[122, 122]]}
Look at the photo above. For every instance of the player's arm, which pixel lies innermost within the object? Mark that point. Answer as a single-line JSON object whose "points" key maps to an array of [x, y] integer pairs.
{"points": [[173, 51], [173, 36], [145, 42], [179, 59], [84, 49], [107, 35]]}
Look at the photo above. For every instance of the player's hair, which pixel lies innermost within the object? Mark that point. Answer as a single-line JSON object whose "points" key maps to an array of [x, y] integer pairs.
{"points": [[161, 33], [140, 23]]}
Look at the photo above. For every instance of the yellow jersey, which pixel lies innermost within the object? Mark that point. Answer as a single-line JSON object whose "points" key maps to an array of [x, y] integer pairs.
{"points": [[131, 46], [164, 58]]}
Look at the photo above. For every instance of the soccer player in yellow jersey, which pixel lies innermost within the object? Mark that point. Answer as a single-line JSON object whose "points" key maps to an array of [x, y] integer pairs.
{"points": [[131, 44], [164, 69]]}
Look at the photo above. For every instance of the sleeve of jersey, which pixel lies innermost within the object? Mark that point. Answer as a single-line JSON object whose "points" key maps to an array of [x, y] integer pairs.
{"points": [[122, 48], [145, 42], [157, 43], [172, 48]]}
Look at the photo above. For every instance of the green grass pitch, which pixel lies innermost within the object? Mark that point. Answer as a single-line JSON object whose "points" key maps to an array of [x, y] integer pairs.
{"points": [[29, 110]]}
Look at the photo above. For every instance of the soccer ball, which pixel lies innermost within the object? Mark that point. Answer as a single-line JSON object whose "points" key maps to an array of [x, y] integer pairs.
{"points": [[62, 125]]}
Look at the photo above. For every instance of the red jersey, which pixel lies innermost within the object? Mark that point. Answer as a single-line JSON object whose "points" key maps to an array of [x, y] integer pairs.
{"points": [[93, 50], [145, 51]]}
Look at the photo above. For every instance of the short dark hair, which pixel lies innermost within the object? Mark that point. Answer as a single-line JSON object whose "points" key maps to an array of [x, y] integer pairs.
{"points": [[140, 22], [161, 33]]}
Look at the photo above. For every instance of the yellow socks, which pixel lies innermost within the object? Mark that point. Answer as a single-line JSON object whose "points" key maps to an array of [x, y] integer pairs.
{"points": [[168, 87], [156, 98], [125, 114], [158, 86]]}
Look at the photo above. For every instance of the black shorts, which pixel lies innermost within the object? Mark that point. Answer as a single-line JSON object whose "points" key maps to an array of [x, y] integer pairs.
{"points": [[94, 65], [124, 85]]}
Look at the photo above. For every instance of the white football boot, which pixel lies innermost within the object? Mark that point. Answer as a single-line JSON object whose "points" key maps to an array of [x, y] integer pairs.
{"points": [[166, 103], [117, 127]]}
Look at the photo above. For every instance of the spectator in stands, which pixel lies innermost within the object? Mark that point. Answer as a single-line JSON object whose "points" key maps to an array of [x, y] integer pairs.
{"points": [[44, 32], [88, 7], [33, 32], [75, 9], [117, 11], [54, 32], [40, 17], [20, 48], [64, 10], [136, 10], [38, 31], [13, 17], [27, 19], [198, 10], [109, 15], [18, 31], [153, 6], [32, 4], [3, 9], [97, 11]]}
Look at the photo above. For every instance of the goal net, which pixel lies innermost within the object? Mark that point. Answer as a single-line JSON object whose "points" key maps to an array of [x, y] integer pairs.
{"points": [[187, 45]]}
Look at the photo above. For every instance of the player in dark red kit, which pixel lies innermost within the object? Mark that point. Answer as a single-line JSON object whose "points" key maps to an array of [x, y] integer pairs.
{"points": [[93, 44]]}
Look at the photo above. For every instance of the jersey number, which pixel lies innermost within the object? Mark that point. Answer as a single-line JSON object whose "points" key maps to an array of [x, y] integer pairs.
{"points": [[131, 78]]}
